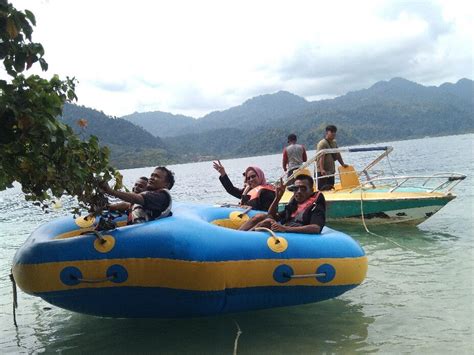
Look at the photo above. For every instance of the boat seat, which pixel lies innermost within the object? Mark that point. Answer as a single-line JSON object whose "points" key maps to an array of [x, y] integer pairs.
{"points": [[348, 177]]}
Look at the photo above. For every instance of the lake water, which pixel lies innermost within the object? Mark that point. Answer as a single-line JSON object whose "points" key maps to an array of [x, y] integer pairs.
{"points": [[415, 299]]}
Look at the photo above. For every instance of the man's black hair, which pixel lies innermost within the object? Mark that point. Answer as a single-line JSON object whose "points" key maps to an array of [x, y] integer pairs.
{"points": [[292, 137], [143, 178], [307, 178], [331, 128], [169, 176]]}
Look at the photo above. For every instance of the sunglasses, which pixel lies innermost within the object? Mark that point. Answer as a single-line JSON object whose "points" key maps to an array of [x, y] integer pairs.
{"points": [[251, 177], [301, 187]]}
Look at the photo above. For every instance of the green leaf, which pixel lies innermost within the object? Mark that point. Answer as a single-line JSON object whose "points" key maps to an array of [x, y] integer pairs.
{"points": [[43, 64], [41, 153], [30, 17], [11, 28]]}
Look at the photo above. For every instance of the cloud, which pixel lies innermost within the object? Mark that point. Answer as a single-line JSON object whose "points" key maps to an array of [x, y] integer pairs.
{"points": [[403, 42], [109, 85], [195, 57], [431, 12]]}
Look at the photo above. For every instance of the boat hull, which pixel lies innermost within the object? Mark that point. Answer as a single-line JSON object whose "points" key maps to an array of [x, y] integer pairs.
{"points": [[184, 266], [379, 206]]}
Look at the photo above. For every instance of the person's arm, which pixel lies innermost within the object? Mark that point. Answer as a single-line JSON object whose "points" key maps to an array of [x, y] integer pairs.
{"points": [[305, 157], [308, 229], [339, 159], [229, 187], [321, 146], [125, 196], [225, 181], [280, 190], [285, 159], [119, 206], [321, 165]]}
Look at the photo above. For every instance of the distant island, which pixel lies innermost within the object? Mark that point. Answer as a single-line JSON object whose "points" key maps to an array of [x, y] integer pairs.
{"points": [[389, 110]]}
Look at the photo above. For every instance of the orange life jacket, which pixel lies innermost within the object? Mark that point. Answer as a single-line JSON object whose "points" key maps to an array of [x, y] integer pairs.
{"points": [[256, 191]]}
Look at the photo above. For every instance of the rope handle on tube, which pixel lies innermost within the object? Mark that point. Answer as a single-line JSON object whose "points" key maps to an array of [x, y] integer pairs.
{"points": [[269, 231], [15, 299]]}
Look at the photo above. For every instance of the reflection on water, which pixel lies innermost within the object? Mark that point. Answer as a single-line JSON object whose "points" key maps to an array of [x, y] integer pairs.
{"points": [[409, 237], [303, 329]]}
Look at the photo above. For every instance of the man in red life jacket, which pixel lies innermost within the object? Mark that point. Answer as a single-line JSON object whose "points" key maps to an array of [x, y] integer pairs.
{"points": [[305, 213]]}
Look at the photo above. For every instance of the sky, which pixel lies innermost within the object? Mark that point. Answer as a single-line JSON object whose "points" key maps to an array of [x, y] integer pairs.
{"points": [[195, 57]]}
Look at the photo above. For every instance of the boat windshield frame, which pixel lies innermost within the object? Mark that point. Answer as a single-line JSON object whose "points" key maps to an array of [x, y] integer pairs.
{"points": [[447, 180]]}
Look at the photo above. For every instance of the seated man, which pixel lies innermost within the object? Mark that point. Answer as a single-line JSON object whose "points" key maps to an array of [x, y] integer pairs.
{"points": [[305, 213], [151, 204], [139, 186]]}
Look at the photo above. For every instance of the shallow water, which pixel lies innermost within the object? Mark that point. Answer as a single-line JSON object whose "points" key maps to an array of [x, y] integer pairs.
{"points": [[418, 295]]}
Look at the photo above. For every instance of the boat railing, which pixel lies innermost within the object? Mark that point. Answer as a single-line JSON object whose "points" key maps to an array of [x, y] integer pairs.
{"points": [[386, 150], [449, 181]]}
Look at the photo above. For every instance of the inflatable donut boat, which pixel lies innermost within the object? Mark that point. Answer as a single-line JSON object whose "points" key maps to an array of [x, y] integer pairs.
{"points": [[190, 264]]}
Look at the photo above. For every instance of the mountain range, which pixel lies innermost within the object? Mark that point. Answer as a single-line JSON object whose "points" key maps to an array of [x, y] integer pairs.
{"points": [[388, 110]]}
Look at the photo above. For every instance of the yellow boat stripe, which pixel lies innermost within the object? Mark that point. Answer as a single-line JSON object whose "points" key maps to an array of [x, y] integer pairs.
{"points": [[367, 195], [333, 196], [78, 232], [187, 275]]}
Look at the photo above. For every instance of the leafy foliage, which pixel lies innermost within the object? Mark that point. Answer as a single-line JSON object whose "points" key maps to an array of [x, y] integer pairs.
{"points": [[43, 154]]}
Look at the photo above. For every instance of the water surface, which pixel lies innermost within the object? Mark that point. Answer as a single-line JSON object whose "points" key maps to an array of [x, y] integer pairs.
{"points": [[417, 298]]}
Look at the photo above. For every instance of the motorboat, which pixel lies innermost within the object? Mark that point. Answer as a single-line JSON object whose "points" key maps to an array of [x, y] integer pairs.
{"points": [[379, 198]]}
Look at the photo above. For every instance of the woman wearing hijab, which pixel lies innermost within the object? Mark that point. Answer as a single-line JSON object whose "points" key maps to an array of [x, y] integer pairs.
{"points": [[256, 192]]}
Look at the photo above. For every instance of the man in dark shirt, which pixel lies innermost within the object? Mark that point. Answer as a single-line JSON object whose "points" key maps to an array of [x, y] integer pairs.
{"points": [[155, 202], [306, 212], [122, 206]]}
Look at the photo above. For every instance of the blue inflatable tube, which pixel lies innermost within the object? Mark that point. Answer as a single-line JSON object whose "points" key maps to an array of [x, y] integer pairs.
{"points": [[183, 266]]}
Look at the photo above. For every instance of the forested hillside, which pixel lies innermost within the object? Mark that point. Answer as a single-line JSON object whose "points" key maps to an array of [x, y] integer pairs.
{"points": [[389, 110], [162, 124], [393, 110], [130, 145]]}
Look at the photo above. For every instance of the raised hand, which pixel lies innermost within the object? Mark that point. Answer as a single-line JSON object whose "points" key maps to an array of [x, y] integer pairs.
{"points": [[104, 187], [219, 167], [280, 189]]}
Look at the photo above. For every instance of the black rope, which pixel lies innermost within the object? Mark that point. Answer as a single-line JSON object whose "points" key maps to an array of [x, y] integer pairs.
{"points": [[97, 234], [15, 299], [91, 281]]}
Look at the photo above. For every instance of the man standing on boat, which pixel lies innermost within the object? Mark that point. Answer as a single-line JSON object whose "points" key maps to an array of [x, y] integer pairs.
{"points": [[325, 165], [293, 155]]}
